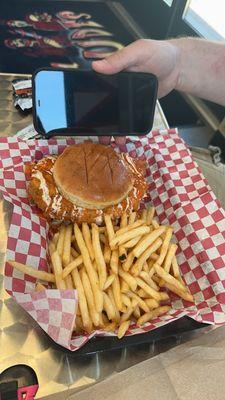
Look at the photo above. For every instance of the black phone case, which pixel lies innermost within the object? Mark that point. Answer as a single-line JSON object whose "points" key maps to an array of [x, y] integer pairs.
{"points": [[89, 132]]}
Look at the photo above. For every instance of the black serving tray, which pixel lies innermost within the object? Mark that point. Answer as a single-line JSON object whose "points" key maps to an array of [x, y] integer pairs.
{"points": [[110, 343]]}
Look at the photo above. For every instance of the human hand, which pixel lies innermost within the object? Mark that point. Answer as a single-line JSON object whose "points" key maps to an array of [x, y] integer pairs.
{"points": [[153, 56], [145, 55]]}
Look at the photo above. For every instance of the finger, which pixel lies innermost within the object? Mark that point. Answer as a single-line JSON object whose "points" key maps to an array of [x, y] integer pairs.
{"points": [[104, 139], [120, 140], [118, 61]]}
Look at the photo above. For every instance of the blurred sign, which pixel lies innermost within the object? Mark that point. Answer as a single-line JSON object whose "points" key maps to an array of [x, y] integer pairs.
{"points": [[58, 34]]}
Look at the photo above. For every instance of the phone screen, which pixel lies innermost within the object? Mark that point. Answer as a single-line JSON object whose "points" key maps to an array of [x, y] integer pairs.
{"points": [[85, 102]]}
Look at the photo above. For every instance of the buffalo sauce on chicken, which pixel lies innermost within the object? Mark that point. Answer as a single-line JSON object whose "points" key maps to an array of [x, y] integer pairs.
{"points": [[45, 194]]}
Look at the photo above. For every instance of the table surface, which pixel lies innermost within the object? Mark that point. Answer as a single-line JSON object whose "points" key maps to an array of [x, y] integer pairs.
{"points": [[22, 341]]}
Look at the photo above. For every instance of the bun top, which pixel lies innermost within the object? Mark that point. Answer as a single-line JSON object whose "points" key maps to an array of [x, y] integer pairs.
{"points": [[92, 176]]}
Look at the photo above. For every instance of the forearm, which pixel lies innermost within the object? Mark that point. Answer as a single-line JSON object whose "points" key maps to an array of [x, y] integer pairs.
{"points": [[201, 66]]}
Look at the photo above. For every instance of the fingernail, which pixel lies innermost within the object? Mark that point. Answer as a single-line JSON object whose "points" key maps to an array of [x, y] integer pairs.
{"points": [[104, 139], [120, 140]]}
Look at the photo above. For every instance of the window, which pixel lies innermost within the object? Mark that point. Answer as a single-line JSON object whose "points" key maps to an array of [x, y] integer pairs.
{"points": [[207, 17], [168, 2]]}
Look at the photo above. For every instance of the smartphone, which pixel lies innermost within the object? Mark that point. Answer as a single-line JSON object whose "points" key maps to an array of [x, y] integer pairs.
{"points": [[84, 102]]}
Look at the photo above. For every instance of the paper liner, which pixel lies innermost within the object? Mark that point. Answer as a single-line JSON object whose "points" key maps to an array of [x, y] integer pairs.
{"points": [[182, 198]]}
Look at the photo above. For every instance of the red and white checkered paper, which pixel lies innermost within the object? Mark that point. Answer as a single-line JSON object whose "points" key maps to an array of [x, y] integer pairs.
{"points": [[182, 198]]}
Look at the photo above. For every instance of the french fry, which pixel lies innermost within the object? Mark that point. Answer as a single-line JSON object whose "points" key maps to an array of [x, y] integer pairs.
{"points": [[89, 297], [78, 310], [129, 261], [145, 267], [114, 262], [109, 307], [144, 215], [122, 253], [143, 237], [95, 266], [82, 301], [87, 238], [42, 275], [130, 227], [163, 296], [58, 270], [181, 280], [165, 245], [123, 221], [107, 253], [131, 234], [99, 256], [67, 245], [92, 274], [157, 280], [129, 279], [125, 316], [69, 282], [75, 246], [122, 329], [151, 270], [70, 267], [124, 286], [78, 326], [60, 243], [137, 312], [152, 292], [182, 294], [152, 303], [117, 293], [150, 238], [111, 296], [150, 215], [134, 303], [168, 278], [55, 238], [39, 287], [153, 284], [103, 238], [145, 255], [126, 301], [175, 268], [142, 293], [109, 281], [154, 257], [131, 243], [155, 224], [132, 217], [141, 303], [153, 314], [51, 247], [109, 228], [145, 276], [102, 229], [169, 257]]}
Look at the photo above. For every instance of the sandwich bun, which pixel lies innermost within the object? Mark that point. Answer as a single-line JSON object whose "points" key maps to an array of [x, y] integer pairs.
{"points": [[92, 176]]}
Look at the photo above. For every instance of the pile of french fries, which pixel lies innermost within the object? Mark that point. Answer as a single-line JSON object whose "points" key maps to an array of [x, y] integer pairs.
{"points": [[123, 273]]}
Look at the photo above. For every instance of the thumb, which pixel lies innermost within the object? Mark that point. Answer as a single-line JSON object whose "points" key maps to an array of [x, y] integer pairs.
{"points": [[117, 61]]}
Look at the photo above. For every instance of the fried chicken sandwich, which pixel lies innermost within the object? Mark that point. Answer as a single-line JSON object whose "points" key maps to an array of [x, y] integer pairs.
{"points": [[86, 181]]}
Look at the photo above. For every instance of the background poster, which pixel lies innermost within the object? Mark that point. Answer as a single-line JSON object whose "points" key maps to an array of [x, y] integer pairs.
{"points": [[57, 34]]}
